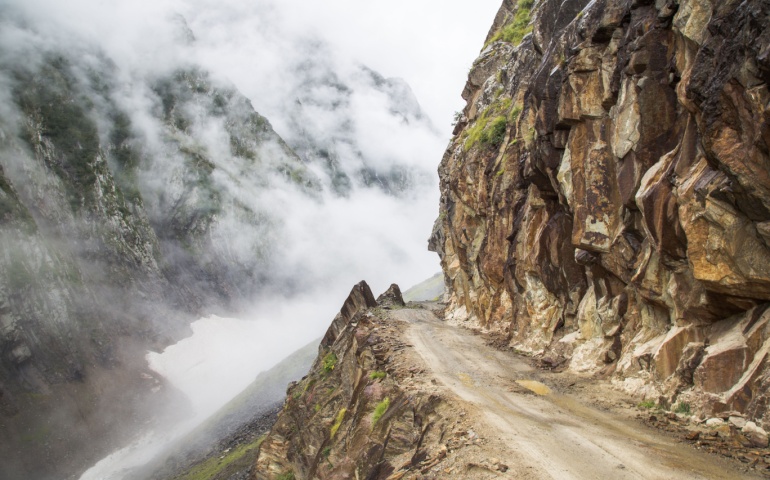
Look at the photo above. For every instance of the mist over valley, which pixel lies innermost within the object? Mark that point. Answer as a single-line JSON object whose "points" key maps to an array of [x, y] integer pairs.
{"points": [[187, 193]]}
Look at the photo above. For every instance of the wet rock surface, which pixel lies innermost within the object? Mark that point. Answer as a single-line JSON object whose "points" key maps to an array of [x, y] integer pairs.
{"points": [[606, 195]]}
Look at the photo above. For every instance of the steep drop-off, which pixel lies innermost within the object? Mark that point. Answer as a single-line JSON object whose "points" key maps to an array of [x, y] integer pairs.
{"points": [[605, 200]]}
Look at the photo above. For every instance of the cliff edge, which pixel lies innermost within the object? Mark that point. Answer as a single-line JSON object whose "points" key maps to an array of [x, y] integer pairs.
{"points": [[354, 414]]}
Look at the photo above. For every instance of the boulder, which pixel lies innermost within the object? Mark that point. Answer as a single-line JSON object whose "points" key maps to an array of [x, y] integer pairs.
{"points": [[714, 422], [737, 422], [756, 435], [391, 297]]}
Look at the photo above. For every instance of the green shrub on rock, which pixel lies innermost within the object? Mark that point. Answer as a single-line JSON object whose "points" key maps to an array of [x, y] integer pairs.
{"points": [[380, 410]]}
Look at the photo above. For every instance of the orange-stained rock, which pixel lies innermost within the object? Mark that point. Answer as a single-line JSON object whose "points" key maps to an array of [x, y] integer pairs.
{"points": [[724, 248], [625, 218], [721, 367], [671, 350]]}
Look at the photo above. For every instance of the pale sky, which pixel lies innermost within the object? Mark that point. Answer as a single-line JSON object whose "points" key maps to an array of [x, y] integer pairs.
{"points": [[428, 43]]}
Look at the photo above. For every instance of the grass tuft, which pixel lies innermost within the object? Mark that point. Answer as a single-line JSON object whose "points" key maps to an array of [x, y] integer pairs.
{"points": [[329, 362], [215, 465], [515, 31], [490, 127], [380, 410], [377, 375], [487, 132], [494, 135], [337, 422]]}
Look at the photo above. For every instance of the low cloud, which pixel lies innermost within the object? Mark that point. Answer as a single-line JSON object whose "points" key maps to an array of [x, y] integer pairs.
{"points": [[305, 65]]}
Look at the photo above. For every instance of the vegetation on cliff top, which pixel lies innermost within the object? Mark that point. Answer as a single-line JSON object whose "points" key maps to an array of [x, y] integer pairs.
{"points": [[516, 30]]}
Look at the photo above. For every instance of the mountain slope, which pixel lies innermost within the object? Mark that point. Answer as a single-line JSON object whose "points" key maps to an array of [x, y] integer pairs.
{"points": [[117, 228]]}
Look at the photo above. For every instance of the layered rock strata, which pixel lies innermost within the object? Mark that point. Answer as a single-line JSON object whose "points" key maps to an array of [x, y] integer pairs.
{"points": [[353, 416], [606, 195]]}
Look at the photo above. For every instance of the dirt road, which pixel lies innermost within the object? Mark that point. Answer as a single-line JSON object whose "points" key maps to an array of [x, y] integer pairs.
{"points": [[545, 434]]}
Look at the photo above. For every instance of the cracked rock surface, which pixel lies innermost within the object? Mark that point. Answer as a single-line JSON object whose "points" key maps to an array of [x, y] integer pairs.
{"points": [[605, 198]]}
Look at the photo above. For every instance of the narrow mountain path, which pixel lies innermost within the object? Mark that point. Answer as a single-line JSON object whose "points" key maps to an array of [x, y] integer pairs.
{"points": [[545, 434]]}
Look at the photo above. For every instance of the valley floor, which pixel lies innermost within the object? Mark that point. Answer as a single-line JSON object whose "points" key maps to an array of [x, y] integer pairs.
{"points": [[516, 421]]}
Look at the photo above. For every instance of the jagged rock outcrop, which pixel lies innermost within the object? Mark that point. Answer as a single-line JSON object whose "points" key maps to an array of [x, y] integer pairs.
{"points": [[351, 416], [606, 198]]}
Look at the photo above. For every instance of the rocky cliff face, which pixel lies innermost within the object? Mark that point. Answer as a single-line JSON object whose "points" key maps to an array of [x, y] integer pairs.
{"points": [[353, 415], [606, 197]]}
